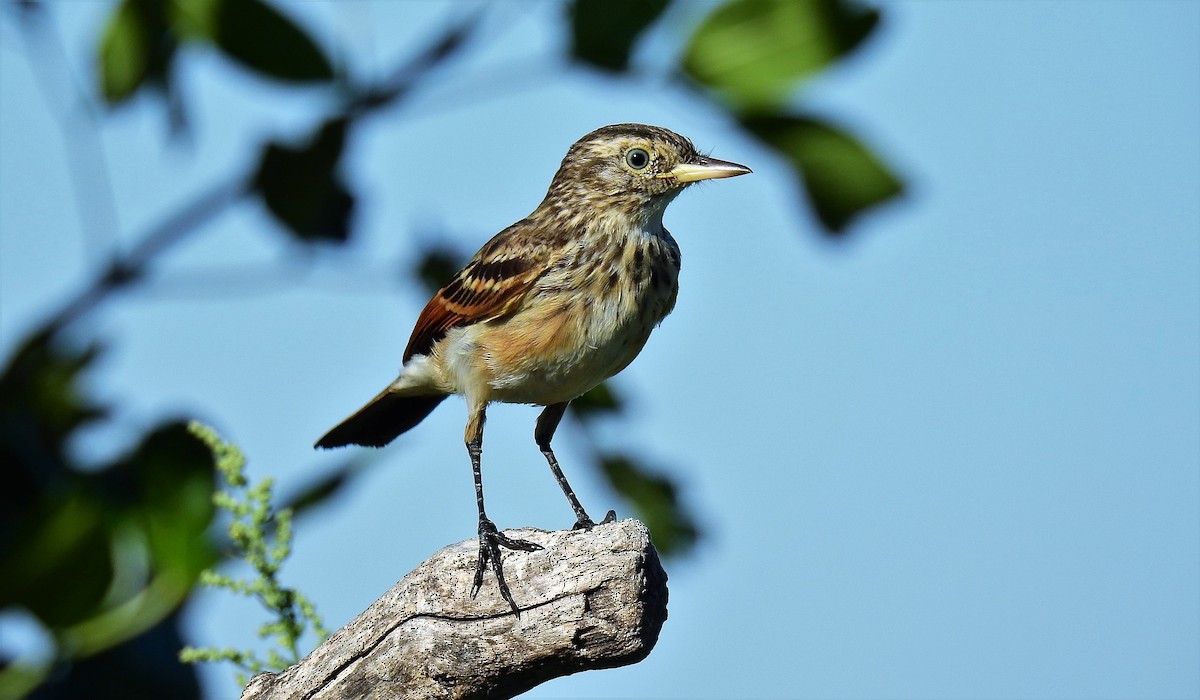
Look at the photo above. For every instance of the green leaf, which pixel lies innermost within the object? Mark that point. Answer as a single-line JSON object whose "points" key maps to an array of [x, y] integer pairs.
{"points": [[754, 52], [98, 555], [124, 53], [54, 546], [173, 473], [655, 499], [60, 567], [42, 401], [256, 35], [301, 186], [599, 400], [841, 176], [603, 32], [136, 49], [42, 405]]}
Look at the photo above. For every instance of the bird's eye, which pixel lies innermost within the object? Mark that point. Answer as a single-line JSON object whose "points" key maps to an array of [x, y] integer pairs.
{"points": [[637, 158]]}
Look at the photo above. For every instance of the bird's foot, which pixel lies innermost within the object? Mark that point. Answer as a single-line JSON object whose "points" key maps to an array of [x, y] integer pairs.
{"points": [[490, 541], [586, 523]]}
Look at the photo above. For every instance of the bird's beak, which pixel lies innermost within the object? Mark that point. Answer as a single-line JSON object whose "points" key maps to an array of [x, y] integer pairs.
{"points": [[704, 168]]}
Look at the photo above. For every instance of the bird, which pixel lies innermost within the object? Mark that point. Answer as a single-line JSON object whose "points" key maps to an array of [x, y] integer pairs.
{"points": [[548, 308]]}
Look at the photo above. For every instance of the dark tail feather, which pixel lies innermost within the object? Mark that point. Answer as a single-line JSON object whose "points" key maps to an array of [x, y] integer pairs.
{"points": [[380, 421]]}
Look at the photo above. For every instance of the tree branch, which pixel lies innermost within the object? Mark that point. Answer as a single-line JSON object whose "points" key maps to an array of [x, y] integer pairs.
{"points": [[127, 269], [589, 600], [123, 270]]}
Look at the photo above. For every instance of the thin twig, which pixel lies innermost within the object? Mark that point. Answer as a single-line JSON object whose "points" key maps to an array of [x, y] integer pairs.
{"points": [[126, 269]]}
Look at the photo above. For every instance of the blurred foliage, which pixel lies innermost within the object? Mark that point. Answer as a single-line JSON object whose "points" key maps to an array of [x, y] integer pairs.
{"points": [[256, 36], [139, 45], [302, 187], [752, 53], [137, 50], [261, 536], [655, 499], [604, 32], [841, 176], [103, 555]]}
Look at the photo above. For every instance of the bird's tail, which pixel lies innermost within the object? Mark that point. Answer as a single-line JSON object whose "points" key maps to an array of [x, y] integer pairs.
{"points": [[381, 421]]}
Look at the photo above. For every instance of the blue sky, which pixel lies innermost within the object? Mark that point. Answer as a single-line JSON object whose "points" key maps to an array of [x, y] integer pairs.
{"points": [[958, 456]]}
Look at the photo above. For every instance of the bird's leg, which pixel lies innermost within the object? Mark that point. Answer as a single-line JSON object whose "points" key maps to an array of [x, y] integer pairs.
{"points": [[490, 539], [546, 425]]}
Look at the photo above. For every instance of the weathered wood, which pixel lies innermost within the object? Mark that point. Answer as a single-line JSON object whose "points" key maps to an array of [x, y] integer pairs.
{"points": [[589, 599]]}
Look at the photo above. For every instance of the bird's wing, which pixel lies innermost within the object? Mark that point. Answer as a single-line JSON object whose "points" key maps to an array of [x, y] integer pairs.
{"points": [[488, 287]]}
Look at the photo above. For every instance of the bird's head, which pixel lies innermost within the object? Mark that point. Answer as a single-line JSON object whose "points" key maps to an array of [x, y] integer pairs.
{"points": [[632, 167]]}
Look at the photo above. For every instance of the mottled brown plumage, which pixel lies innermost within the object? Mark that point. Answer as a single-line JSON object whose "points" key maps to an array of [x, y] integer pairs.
{"points": [[551, 306]]}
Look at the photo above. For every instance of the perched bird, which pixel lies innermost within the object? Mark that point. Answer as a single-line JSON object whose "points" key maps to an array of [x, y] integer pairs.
{"points": [[550, 307]]}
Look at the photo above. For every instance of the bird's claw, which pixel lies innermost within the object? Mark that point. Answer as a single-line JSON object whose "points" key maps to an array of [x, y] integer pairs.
{"points": [[490, 541], [586, 523]]}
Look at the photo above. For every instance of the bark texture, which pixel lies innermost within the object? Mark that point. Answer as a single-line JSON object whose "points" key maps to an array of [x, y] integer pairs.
{"points": [[590, 599]]}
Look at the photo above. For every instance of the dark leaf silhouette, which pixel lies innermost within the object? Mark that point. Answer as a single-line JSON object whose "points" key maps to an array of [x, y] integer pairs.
{"points": [[78, 543], [603, 32], [655, 499], [841, 176], [601, 400], [264, 40], [58, 564], [301, 185], [438, 265]]}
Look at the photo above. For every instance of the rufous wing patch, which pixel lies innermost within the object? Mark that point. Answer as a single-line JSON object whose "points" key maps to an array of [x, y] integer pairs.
{"points": [[485, 289]]}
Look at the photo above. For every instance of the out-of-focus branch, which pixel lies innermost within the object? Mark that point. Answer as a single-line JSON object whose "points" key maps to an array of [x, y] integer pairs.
{"points": [[126, 269]]}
